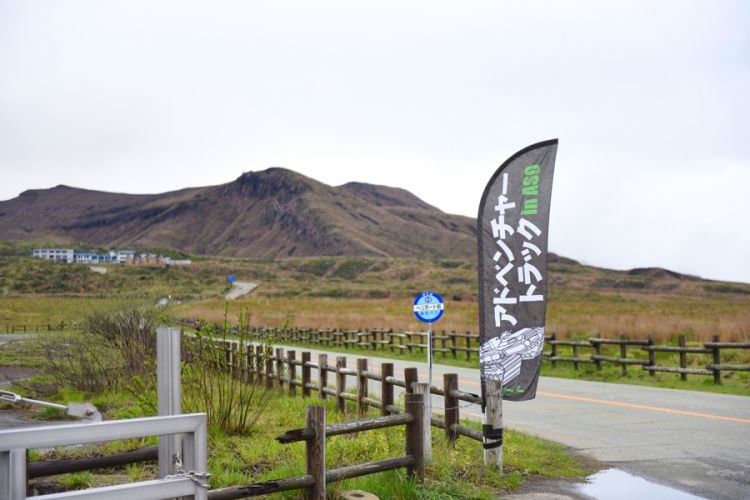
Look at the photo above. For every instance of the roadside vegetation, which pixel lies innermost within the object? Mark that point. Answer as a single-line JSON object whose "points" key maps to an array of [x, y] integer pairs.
{"points": [[244, 419]]}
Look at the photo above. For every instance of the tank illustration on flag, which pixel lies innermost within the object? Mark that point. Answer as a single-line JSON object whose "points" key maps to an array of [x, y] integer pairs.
{"points": [[501, 356]]}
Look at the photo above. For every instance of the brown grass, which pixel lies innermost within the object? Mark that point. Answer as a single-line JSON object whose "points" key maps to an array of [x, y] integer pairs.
{"points": [[663, 318]]}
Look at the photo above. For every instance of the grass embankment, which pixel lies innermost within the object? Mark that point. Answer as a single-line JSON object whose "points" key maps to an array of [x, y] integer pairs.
{"points": [[242, 459], [256, 456]]}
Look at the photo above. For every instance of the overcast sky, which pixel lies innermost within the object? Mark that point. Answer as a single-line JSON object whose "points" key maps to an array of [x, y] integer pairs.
{"points": [[650, 101]]}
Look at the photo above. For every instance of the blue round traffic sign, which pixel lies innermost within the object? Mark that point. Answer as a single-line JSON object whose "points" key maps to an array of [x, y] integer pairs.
{"points": [[231, 279], [428, 307]]}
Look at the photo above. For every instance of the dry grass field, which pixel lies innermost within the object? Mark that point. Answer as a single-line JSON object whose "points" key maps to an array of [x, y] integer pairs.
{"points": [[353, 292]]}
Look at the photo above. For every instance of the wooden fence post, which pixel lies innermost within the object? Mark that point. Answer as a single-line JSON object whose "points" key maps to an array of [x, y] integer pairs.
{"points": [[468, 346], [361, 386], [683, 356], [280, 366], [315, 448], [717, 360], [235, 362], [322, 376], [553, 349], [259, 363], [305, 374], [386, 388], [269, 367], [340, 382], [249, 363], [423, 388], [493, 433], [292, 368], [576, 364], [598, 351], [415, 435], [453, 343], [623, 355], [651, 355], [410, 376], [450, 383]]}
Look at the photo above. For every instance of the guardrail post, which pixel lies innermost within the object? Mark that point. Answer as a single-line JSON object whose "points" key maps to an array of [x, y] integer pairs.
{"points": [[305, 374], [13, 474], [322, 376], [683, 356], [361, 386], [423, 388], [386, 388], [169, 393], [292, 368], [623, 355], [280, 367], [717, 360], [450, 383], [315, 455], [340, 382], [415, 435]]}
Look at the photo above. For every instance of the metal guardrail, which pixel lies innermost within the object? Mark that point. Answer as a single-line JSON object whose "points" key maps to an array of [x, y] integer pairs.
{"points": [[15, 442]]}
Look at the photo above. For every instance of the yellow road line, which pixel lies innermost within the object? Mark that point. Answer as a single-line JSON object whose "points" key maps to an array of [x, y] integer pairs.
{"points": [[643, 407], [628, 405]]}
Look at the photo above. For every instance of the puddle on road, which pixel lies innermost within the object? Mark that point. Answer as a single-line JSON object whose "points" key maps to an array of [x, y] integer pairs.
{"points": [[615, 484]]}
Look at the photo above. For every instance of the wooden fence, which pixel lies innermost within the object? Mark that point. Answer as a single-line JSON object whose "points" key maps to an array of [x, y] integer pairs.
{"points": [[36, 328], [315, 434], [258, 363], [280, 370], [653, 358], [596, 351]]}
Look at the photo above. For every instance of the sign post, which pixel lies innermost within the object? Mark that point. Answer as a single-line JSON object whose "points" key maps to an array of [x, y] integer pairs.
{"points": [[428, 308]]}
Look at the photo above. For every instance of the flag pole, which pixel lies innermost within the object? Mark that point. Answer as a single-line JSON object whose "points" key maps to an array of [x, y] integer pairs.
{"points": [[493, 425]]}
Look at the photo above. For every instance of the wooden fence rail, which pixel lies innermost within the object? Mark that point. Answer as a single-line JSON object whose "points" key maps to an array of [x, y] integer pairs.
{"points": [[39, 327]]}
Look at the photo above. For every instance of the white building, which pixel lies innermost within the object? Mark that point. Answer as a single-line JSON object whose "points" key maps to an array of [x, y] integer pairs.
{"points": [[121, 256], [56, 254]]}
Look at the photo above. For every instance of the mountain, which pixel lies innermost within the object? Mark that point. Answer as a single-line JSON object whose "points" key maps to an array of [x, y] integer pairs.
{"points": [[267, 214]]}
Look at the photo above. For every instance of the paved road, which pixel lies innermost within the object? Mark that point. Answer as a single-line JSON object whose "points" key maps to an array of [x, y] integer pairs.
{"points": [[693, 441], [241, 288]]}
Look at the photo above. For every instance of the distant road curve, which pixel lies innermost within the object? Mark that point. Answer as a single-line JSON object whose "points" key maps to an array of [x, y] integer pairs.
{"points": [[240, 288]]}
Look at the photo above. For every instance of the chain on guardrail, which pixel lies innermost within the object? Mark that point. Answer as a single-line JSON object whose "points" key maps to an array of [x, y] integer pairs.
{"points": [[199, 478]]}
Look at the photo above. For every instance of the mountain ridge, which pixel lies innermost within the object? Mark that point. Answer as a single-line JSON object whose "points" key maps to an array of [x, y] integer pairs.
{"points": [[267, 214]]}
